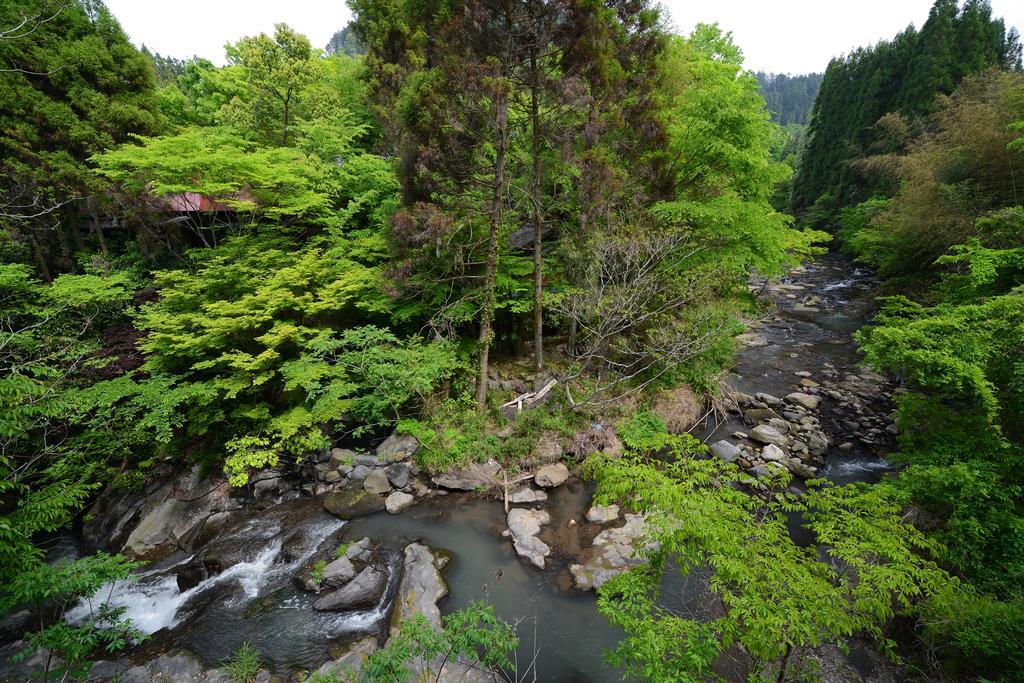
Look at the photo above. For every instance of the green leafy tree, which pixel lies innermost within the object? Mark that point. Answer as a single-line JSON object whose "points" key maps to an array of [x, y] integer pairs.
{"points": [[69, 648], [276, 71], [265, 337], [766, 593], [49, 343], [467, 637]]}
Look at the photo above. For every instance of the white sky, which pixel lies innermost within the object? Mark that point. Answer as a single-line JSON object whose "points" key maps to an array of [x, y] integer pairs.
{"points": [[786, 36]]}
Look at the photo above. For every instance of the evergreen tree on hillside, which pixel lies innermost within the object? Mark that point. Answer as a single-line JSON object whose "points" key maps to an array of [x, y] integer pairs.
{"points": [[789, 98], [72, 85], [903, 75]]}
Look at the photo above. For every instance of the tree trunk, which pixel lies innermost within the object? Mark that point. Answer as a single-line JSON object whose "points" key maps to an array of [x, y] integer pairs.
{"points": [[97, 225], [783, 664], [284, 130], [497, 203], [62, 229], [73, 227], [37, 251], [538, 273]]}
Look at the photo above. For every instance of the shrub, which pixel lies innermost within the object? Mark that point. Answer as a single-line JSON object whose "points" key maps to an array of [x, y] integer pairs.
{"points": [[644, 432], [245, 664]]}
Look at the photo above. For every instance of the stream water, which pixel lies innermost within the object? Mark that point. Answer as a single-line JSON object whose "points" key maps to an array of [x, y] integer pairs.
{"points": [[254, 598]]}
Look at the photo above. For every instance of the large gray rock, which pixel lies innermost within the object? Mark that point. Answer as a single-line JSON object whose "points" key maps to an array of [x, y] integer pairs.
{"points": [[767, 434], [551, 476], [726, 451], [527, 494], [360, 593], [175, 667], [398, 502], [352, 503], [173, 514], [349, 665], [377, 482], [266, 485], [338, 573], [398, 474], [342, 456], [806, 400], [475, 477], [397, 448], [773, 453], [613, 552], [524, 525], [420, 588]]}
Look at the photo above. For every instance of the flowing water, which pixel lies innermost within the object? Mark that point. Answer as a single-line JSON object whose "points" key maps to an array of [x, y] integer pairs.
{"points": [[254, 598]]}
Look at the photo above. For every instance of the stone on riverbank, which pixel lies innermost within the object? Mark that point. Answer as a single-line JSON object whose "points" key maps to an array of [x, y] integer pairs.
{"points": [[527, 494], [726, 451], [398, 474], [551, 476], [475, 477], [603, 514], [377, 482], [805, 400], [397, 448], [767, 434], [350, 663]]}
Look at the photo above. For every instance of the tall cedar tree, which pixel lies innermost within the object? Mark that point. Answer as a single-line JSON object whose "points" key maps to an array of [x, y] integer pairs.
{"points": [[445, 104], [72, 85], [903, 75]]}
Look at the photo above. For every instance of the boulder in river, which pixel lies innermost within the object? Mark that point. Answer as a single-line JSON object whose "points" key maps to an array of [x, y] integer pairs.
{"points": [[171, 516], [352, 503], [603, 514], [613, 552], [398, 502], [524, 526], [338, 573], [420, 588], [362, 592], [551, 476], [527, 494]]}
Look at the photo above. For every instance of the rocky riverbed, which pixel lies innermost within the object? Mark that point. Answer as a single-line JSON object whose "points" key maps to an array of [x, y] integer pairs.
{"points": [[318, 564]]}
